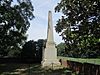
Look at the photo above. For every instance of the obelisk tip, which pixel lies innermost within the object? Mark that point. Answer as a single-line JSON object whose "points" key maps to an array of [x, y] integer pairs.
{"points": [[49, 11]]}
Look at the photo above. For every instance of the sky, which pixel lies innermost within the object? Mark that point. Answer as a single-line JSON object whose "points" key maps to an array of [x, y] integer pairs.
{"points": [[38, 27]]}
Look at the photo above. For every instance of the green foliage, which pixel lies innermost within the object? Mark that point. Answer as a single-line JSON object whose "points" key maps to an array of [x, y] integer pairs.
{"points": [[61, 49], [33, 49], [41, 44], [29, 49], [14, 22], [80, 27]]}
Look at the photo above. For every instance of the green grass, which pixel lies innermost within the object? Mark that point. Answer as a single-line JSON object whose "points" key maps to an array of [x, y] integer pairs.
{"points": [[81, 60]]}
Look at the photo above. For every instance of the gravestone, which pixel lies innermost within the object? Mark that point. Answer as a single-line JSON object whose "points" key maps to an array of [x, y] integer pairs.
{"points": [[50, 52]]}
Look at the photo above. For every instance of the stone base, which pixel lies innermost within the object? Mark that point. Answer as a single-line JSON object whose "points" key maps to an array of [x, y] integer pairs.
{"points": [[50, 63]]}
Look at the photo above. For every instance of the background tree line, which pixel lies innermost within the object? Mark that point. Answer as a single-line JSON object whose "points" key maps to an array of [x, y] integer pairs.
{"points": [[33, 49]]}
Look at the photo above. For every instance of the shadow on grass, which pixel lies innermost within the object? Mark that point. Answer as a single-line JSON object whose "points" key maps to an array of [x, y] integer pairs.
{"points": [[30, 69], [37, 70], [12, 69]]}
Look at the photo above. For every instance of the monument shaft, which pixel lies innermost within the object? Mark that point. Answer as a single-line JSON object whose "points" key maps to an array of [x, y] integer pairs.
{"points": [[50, 28]]}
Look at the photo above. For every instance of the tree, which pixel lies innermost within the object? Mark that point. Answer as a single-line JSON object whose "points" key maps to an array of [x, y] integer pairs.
{"points": [[14, 23], [29, 50], [33, 49], [41, 43], [80, 26], [61, 49]]}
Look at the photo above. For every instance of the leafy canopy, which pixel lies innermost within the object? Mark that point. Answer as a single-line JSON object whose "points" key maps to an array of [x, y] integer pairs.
{"points": [[80, 26], [14, 22]]}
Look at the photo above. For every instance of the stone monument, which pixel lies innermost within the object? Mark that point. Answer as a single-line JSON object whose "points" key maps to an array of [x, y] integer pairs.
{"points": [[50, 53]]}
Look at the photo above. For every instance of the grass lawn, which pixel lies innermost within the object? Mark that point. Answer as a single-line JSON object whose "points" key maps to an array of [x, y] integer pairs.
{"points": [[35, 69], [30, 69], [81, 60]]}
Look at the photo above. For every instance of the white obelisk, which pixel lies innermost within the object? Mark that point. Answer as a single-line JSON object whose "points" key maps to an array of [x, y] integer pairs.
{"points": [[50, 52]]}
